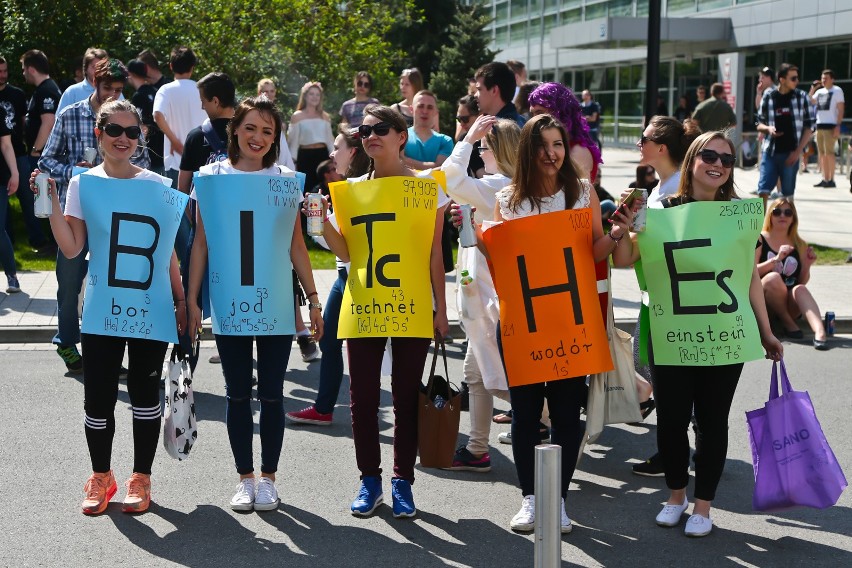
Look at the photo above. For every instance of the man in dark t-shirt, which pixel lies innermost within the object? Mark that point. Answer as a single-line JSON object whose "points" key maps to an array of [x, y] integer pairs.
{"points": [[145, 76], [41, 109], [592, 111]]}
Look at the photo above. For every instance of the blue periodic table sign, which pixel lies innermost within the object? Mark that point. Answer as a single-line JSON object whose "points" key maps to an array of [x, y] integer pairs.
{"points": [[248, 221], [131, 227]]}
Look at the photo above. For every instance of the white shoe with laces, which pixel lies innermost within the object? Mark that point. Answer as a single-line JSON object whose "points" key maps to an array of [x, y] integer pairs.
{"points": [[243, 499], [266, 498], [698, 525], [567, 525], [524, 520], [670, 515]]}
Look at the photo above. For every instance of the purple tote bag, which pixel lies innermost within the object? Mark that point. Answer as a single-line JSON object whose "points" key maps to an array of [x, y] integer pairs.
{"points": [[793, 464]]}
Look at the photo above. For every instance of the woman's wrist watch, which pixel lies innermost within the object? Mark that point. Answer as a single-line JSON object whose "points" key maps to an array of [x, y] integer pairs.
{"points": [[315, 306]]}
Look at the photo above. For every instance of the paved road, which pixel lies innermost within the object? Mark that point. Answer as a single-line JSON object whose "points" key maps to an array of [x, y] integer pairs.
{"points": [[463, 519]]}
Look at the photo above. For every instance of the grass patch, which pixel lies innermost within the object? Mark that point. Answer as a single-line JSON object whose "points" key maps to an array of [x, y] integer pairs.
{"points": [[827, 256], [25, 258]]}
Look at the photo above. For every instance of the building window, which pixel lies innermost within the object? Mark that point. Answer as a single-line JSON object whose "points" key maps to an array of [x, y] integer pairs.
{"points": [[518, 32], [595, 11], [675, 7], [705, 5]]}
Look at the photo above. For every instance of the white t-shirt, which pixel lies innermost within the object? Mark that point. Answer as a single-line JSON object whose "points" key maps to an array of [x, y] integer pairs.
{"points": [[555, 202], [180, 104], [663, 190], [224, 168], [72, 195], [826, 106]]}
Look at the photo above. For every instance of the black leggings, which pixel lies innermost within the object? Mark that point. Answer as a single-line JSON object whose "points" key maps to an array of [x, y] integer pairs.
{"points": [[103, 355], [710, 391]]}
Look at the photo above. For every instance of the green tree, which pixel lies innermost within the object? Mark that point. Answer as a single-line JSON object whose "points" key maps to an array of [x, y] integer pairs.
{"points": [[420, 31], [466, 51]]}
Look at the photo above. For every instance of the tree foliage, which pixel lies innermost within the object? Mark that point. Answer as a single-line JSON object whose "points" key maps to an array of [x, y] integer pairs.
{"points": [[458, 59]]}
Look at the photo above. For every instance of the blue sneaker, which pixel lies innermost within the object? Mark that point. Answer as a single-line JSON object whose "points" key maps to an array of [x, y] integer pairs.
{"points": [[403, 500], [369, 497]]}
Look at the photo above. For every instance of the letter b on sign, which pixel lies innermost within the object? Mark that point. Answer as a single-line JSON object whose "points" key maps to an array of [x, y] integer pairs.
{"points": [[115, 249]]}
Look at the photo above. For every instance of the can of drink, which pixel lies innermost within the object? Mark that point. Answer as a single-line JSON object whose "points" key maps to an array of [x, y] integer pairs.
{"points": [[641, 213], [829, 323], [467, 236], [43, 206], [315, 220], [89, 155]]}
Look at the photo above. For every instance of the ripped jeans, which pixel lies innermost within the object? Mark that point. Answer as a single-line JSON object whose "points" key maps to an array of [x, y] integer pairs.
{"points": [[273, 354]]}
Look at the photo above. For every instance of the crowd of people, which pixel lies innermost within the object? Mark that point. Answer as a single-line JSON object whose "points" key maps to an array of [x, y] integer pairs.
{"points": [[508, 160]]}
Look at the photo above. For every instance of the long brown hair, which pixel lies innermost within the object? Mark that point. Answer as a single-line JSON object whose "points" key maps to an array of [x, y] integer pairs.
{"points": [[726, 191], [268, 109], [675, 135], [527, 181], [793, 229], [360, 162]]}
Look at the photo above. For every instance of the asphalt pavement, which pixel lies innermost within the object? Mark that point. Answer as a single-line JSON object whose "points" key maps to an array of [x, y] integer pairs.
{"points": [[463, 517]]}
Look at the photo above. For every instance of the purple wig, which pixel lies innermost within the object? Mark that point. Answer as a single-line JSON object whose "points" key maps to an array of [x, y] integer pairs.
{"points": [[564, 107]]}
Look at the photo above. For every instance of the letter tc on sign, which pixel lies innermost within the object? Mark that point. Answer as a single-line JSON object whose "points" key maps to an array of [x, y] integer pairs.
{"points": [[368, 220], [678, 277], [115, 249], [570, 287]]}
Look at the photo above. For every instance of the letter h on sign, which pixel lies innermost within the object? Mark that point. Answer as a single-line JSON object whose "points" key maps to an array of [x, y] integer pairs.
{"points": [[115, 249], [570, 287]]}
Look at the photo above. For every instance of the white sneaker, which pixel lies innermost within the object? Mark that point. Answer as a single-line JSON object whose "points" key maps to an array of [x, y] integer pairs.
{"points": [[243, 499], [670, 515], [267, 496], [567, 525], [698, 525], [524, 520]]}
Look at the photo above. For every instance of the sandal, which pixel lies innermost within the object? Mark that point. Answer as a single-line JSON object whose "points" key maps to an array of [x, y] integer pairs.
{"points": [[503, 418], [647, 407]]}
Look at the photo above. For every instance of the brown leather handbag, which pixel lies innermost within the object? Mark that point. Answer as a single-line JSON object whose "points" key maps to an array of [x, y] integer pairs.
{"points": [[438, 412]]}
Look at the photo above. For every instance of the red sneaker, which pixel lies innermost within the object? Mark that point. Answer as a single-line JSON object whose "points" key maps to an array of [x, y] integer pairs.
{"points": [[310, 416], [138, 493], [99, 490]]}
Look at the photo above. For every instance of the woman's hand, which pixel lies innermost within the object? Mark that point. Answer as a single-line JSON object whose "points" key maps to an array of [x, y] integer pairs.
{"points": [[456, 214], [784, 251], [774, 348], [621, 220], [810, 255], [324, 205], [316, 323], [180, 316], [481, 126], [194, 329], [51, 184], [441, 323]]}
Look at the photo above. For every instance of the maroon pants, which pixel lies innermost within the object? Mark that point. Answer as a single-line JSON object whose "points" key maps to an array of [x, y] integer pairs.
{"points": [[365, 366]]}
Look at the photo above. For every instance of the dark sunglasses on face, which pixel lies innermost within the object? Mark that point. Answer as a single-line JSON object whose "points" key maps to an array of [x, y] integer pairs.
{"points": [[644, 140], [794, 78], [380, 129], [710, 156], [463, 119], [364, 84], [778, 212], [114, 130], [483, 149]]}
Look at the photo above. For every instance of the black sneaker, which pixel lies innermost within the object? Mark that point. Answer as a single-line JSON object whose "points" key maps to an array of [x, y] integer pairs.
{"points": [[830, 183], [308, 347], [651, 467], [71, 357], [463, 460], [822, 183]]}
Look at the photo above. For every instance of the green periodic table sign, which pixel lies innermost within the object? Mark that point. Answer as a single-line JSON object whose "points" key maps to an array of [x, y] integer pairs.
{"points": [[698, 261]]}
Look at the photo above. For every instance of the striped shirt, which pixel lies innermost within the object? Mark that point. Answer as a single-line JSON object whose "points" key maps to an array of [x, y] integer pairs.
{"points": [[802, 115]]}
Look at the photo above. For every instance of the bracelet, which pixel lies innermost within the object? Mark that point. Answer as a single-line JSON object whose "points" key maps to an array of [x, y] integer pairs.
{"points": [[614, 239], [315, 306], [308, 295]]}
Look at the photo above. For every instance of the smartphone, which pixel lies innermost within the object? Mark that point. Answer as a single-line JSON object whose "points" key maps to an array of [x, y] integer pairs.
{"points": [[632, 197]]}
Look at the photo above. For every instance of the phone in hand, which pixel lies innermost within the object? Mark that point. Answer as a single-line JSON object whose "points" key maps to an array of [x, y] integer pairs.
{"points": [[634, 195]]}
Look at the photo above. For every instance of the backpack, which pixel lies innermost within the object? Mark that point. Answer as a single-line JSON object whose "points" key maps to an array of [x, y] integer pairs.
{"points": [[219, 147]]}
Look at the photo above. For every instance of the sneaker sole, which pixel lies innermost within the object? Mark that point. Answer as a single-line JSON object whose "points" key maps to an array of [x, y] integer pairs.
{"points": [[567, 528], [524, 528], [308, 421], [405, 515], [312, 357], [645, 474], [242, 507], [132, 509], [378, 502], [110, 492], [485, 469], [267, 506]]}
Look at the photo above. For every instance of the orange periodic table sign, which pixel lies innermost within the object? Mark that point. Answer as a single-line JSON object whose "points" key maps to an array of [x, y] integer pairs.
{"points": [[550, 323]]}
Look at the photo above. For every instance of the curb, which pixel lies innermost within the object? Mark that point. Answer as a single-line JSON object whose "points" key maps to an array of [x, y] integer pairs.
{"points": [[44, 334]]}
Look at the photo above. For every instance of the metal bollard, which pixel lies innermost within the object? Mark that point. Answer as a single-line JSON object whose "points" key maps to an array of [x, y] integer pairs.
{"points": [[548, 517]]}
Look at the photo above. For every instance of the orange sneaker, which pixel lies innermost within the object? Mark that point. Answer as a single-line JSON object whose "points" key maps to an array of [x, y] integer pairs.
{"points": [[99, 490], [138, 493]]}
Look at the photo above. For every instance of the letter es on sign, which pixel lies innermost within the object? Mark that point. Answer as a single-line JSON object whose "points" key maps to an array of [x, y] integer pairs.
{"points": [[678, 278]]}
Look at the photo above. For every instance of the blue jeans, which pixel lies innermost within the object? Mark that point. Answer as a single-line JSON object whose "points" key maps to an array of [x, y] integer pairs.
{"points": [[273, 354], [331, 365], [771, 168], [7, 253], [70, 273]]}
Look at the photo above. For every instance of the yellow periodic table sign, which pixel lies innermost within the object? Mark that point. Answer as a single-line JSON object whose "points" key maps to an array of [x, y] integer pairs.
{"points": [[388, 225]]}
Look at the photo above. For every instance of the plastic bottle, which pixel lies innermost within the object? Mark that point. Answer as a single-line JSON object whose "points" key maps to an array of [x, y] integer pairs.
{"points": [[466, 278]]}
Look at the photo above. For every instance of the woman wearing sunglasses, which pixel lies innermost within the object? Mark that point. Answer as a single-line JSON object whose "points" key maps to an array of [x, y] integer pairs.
{"points": [[253, 137], [706, 175], [118, 127], [352, 111], [784, 265], [384, 135], [467, 112], [483, 371]]}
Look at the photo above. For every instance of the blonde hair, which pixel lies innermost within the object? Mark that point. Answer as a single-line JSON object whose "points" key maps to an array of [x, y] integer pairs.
{"points": [[302, 104], [503, 140], [264, 82], [793, 229]]}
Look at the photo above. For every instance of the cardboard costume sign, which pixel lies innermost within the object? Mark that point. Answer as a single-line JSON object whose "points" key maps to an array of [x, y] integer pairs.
{"points": [[388, 224], [550, 319], [131, 226], [698, 261], [248, 221]]}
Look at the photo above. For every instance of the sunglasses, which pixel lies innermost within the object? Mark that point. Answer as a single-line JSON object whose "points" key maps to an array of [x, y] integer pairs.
{"points": [[710, 156], [778, 212], [380, 129], [114, 131], [364, 84], [644, 140], [483, 149], [463, 119], [796, 78]]}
